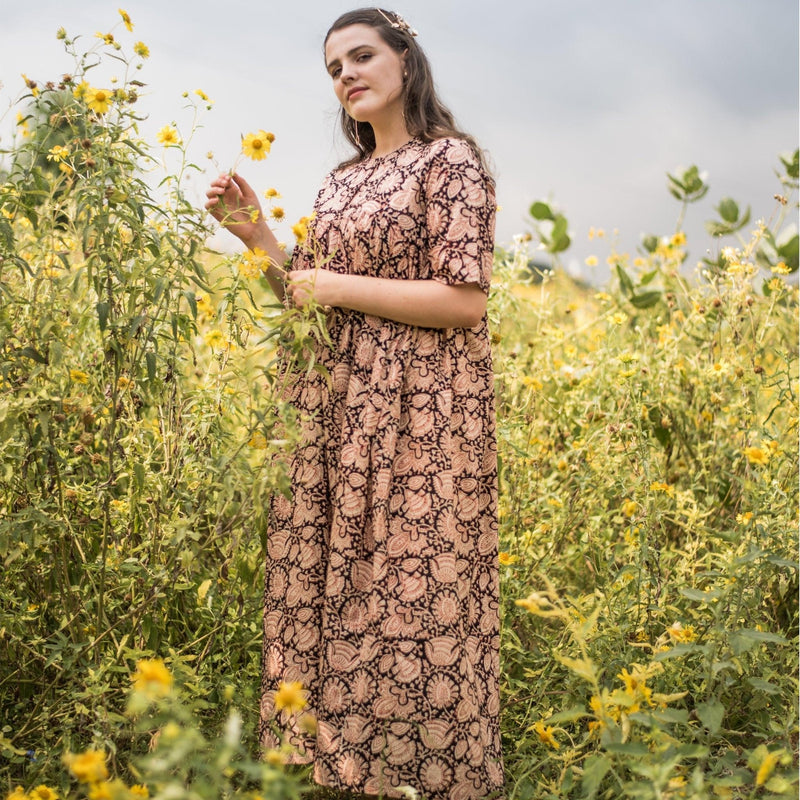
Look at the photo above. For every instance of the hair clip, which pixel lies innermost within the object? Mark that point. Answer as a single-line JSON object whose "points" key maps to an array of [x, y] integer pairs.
{"points": [[399, 23]]}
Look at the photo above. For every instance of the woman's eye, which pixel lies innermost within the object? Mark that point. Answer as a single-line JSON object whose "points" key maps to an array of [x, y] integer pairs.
{"points": [[363, 57]]}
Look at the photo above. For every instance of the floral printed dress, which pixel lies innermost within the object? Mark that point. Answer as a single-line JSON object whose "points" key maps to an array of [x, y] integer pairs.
{"points": [[382, 577]]}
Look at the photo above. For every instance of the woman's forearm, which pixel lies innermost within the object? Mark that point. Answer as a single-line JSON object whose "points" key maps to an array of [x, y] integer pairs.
{"points": [[426, 303]]}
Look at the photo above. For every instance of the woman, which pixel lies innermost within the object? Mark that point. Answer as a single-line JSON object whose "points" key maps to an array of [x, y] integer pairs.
{"points": [[381, 589]]}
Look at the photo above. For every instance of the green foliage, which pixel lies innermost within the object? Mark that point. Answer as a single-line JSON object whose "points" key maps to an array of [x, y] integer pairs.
{"points": [[140, 430], [649, 496], [551, 227]]}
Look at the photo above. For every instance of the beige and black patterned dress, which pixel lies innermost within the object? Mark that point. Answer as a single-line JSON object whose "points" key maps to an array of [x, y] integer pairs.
{"points": [[382, 586]]}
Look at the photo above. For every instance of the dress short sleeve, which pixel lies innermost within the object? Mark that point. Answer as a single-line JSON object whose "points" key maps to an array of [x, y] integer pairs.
{"points": [[460, 216]]}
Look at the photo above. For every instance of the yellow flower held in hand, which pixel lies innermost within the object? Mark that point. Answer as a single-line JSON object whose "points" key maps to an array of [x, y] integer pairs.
{"points": [[99, 100], [141, 49], [126, 18], [168, 136], [290, 697], [88, 767], [256, 145], [152, 677]]}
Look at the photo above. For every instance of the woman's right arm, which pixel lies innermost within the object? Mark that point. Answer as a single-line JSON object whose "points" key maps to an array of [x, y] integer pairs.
{"points": [[232, 201]]}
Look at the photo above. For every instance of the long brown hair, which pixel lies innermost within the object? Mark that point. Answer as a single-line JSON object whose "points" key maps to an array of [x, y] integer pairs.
{"points": [[426, 117]]}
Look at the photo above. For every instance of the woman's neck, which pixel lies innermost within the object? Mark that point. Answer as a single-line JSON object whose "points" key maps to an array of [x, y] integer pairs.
{"points": [[389, 138]]}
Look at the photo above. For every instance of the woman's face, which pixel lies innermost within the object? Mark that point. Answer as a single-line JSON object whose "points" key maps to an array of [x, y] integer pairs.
{"points": [[367, 74]]}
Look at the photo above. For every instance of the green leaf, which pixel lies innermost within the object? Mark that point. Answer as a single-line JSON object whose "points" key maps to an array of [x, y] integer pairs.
{"points": [[650, 243], [560, 245], [540, 210], [645, 299], [728, 209], [761, 636], [711, 714], [102, 315], [764, 686], [788, 251], [594, 770], [790, 163], [570, 715], [699, 596], [150, 360], [138, 475], [625, 282]]}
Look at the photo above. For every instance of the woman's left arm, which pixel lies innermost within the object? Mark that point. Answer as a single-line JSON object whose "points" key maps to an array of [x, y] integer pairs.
{"points": [[425, 303]]}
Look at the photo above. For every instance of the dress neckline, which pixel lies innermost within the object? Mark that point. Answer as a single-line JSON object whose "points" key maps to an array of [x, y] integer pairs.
{"points": [[391, 153]]}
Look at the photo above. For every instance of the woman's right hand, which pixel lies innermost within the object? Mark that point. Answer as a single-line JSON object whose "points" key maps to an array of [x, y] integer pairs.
{"points": [[232, 201]]}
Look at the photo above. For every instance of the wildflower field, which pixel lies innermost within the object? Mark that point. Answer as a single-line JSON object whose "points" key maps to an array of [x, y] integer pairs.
{"points": [[648, 463]]}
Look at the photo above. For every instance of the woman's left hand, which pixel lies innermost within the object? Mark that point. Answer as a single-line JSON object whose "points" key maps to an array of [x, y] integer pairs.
{"points": [[303, 285]]}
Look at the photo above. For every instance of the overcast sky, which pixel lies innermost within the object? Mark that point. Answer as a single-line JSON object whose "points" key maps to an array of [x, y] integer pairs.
{"points": [[587, 103]]}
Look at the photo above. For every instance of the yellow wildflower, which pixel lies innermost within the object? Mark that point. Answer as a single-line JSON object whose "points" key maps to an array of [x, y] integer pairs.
{"points": [[78, 376], [679, 633], [278, 213], [80, 91], [168, 136], [126, 18], [17, 794], [57, 153], [757, 456], [101, 791], [216, 340], [766, 767], [300, 229], [506, 559], [659, 486], [152, 678], [591, 261], [139, 790], [538, 604], [88, 767], [781, 269], [629, 508], [99, 100], [619, 318], [290, 697], [204, 305], [108, 38], [532, 383], [254, 262], [42, 792], [271, 193], [258, 441], [256, 145], [678, 239], [545, 734], [202, 95], [141, 49], [31, 85]]}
